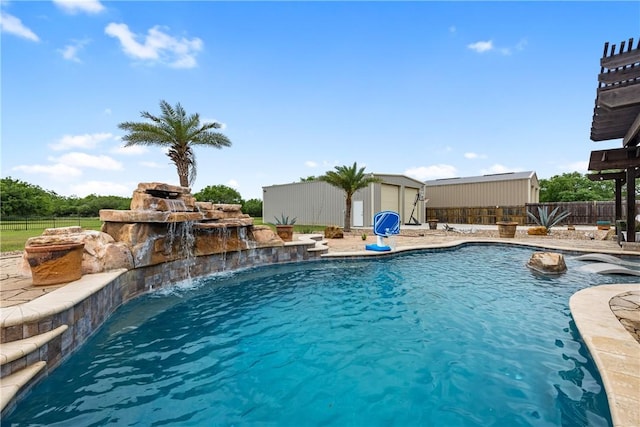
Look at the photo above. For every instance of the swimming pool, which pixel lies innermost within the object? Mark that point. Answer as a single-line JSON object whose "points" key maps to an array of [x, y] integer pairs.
{"points": [[464, 337]]}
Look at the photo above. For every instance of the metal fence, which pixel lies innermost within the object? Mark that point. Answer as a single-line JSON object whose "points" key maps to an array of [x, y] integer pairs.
{"points": [[18, 223]]}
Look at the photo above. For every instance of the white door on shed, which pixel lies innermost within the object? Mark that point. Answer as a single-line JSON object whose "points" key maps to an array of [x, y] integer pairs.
{"points": [[357, 213]]}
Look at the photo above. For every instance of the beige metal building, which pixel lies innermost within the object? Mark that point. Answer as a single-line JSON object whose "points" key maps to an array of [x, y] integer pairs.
{"points": [[505, 189], [318, 203]]}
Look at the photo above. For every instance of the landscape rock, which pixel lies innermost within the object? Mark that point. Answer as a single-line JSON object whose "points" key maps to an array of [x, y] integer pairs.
{"points": [[547, 263], [333, 232]]}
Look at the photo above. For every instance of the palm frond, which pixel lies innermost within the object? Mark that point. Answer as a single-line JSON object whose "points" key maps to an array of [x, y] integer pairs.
{"points": [[174, 129]]}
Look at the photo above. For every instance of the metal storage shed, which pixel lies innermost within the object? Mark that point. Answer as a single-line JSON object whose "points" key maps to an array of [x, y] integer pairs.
{"points": [[318, 203], [505, 189]]}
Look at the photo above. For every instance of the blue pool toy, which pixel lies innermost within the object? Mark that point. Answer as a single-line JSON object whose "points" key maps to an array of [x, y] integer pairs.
{"points": [[385, 224]]}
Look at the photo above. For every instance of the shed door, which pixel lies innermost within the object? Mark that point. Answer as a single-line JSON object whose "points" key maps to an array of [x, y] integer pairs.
{"points": [[357, 212], [389, 200]]}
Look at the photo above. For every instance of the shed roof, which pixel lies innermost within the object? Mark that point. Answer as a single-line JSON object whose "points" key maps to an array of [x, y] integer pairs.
{"points": [[383, 176], [510, 176]]}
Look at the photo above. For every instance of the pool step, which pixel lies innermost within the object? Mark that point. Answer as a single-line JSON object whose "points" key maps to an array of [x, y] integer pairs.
{"points": [[14, 350], [13, 383], [321, 244], [20, 362]]}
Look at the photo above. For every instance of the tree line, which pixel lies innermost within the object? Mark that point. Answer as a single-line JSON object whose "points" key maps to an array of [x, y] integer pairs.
{"points": [[21, 199]]}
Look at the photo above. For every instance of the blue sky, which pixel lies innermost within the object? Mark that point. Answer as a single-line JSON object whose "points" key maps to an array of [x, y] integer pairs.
{"points": [[426, 89]]}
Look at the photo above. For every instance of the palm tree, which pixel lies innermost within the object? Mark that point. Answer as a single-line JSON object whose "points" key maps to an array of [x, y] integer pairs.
{"points": [[179, 133], [350, 179]]}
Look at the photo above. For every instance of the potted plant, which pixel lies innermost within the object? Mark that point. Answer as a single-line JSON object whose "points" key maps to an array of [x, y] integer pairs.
{"points": [[284, 227], [507, 228], [54, 263]]}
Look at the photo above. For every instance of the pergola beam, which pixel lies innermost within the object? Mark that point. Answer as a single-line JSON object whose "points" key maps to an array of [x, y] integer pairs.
{"points": [[633, 131], [616, 158], [620, 59], [619, 97]]}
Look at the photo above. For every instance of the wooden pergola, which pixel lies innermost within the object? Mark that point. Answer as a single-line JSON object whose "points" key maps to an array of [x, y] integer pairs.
{"points": [[616, 115]]}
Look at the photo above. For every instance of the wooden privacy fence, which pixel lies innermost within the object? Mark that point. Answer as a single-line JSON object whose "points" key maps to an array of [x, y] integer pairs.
{"points": [[582, 213], [478, 215]]}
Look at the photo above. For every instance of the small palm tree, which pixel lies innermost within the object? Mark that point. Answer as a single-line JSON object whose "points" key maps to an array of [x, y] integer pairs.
{"points": [[350, 179], [179, 133]]}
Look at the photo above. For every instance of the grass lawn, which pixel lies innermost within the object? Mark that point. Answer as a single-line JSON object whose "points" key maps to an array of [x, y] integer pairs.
{"points": [[15, 239]]}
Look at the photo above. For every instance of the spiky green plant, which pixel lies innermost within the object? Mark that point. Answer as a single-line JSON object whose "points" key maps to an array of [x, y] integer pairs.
{"points": [[284, 220], [546, 219]]}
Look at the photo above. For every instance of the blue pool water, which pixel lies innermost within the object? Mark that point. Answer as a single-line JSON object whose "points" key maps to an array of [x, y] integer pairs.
{"points": [[465, 337]]}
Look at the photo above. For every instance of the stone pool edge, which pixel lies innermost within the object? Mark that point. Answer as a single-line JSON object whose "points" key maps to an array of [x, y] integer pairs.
{"points": [[615, 352]]}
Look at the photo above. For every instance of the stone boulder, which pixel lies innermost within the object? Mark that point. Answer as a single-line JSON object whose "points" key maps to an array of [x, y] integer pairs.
{"points": [[265, 237], [537, 231], [547, 263], [333, 232]]}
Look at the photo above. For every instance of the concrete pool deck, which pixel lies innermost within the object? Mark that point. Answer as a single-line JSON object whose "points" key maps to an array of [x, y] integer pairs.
{"points": [[615, 351]]}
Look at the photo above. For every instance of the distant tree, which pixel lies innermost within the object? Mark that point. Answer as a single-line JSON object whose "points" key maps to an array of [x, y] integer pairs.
{"points": [[252, 207], [350, 179], [178, 132], [218, 194], [91, 205], [574, 187], [18, 198], [309, 178]]}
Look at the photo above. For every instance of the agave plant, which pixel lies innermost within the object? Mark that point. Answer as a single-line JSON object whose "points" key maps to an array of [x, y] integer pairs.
{"points": [[284, 220], [546, 219]]}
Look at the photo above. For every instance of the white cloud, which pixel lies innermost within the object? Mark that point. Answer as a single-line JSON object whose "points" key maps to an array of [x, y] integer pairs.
{"points": [[471, 155], [223, 126], [481, 46], [83, 160], [233, 184], [77, 6], [68, 142], [333, 164], [157, 47], [12, 25], [486, 46], [70, 51], [107, 111], [103, 188], [133, 150], [452, 29], [579, 166], [310, 164], [152, 165], [424, 173], [498, 168], [57, 172]]}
